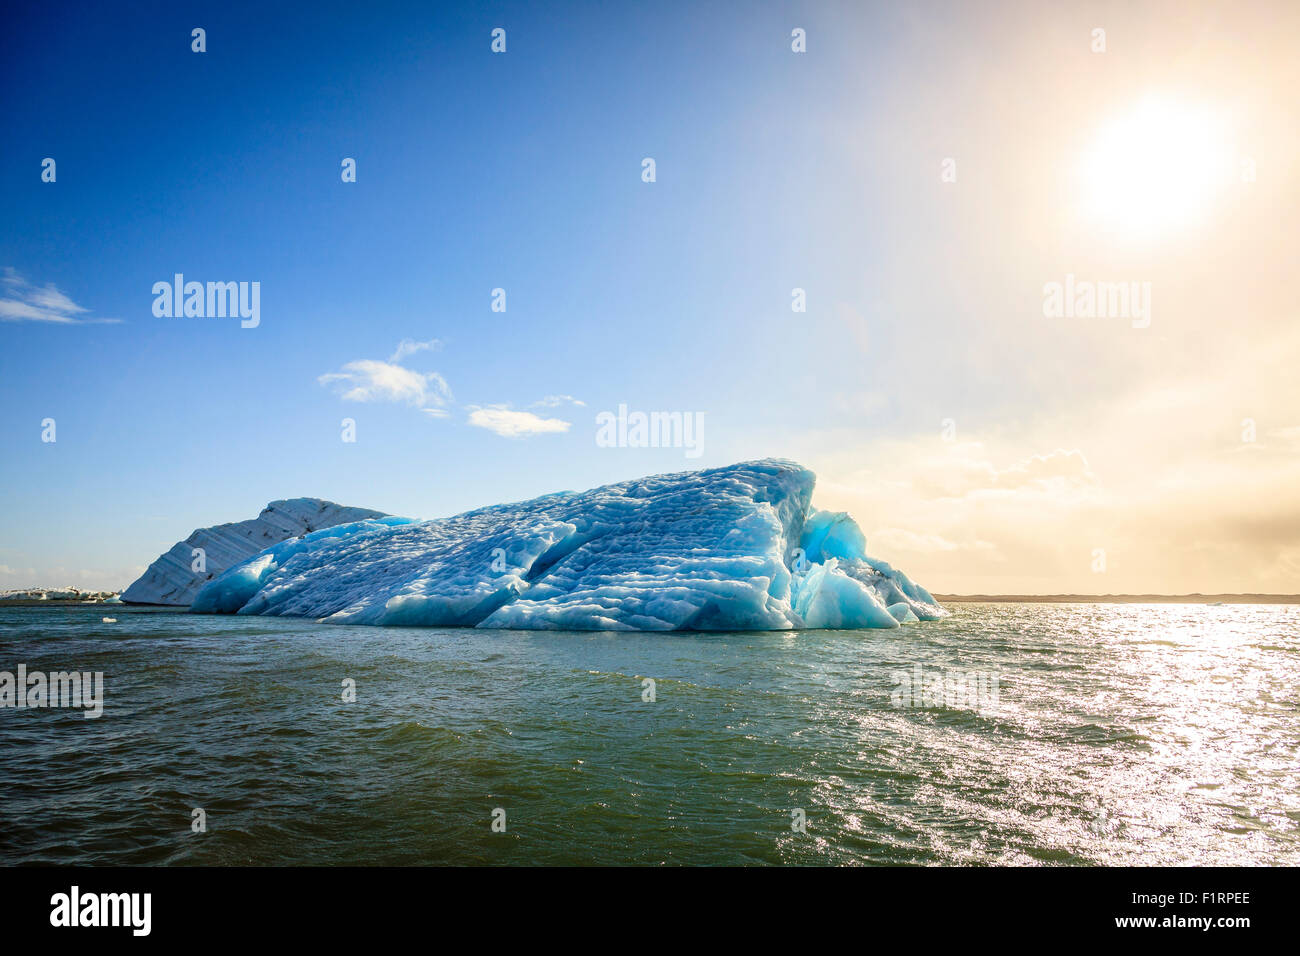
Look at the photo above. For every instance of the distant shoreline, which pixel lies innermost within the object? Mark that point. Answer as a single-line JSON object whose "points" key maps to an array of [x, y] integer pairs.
{"points": [[1118, 598], [56, 602]]}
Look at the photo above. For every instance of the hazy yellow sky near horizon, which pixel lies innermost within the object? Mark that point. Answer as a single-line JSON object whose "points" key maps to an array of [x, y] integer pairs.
{"points": [[1102, 453]]}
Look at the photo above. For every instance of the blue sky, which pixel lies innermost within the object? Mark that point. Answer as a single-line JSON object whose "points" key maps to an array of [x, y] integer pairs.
{"points": [[522, 171]]}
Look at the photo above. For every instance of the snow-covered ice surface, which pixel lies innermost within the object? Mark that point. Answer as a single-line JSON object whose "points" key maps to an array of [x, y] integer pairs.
{"points": [[171, 580], [734, 548]]}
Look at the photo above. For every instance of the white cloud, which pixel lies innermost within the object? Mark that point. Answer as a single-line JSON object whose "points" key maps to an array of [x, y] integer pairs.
{"points": [[410, 347], [512, 423], [24, 302], [369, 380]]}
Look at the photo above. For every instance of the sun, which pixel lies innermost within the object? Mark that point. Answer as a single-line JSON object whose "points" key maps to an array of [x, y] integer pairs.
{"points": [[1155, 169]]}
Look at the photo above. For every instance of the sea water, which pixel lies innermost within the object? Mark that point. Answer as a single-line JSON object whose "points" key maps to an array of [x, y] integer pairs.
{"points": [[1005, 734]]}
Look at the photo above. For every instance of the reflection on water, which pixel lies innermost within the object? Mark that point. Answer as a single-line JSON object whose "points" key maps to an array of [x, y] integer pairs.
{"points": [[1163, 734]]}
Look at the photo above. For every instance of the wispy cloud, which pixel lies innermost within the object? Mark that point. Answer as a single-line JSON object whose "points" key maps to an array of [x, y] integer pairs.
{"points": [[513, 423], [555, 401], [1062, 464], [370, 380], [410, 347], [20, 301]]}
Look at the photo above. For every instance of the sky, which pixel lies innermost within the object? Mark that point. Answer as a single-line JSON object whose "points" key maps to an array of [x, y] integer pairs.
{"points": [[925, 173]]}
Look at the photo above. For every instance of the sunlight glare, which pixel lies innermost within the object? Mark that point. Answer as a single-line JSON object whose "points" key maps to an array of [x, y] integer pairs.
{"points": [[1155, 169]]}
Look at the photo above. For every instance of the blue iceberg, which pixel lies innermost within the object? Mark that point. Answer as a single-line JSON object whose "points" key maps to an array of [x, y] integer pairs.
{"points": [[734, 548]]}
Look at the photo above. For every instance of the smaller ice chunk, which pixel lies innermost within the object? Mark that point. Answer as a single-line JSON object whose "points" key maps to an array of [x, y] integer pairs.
{"points": [[826, 597], [834, 536], [903, 613]]}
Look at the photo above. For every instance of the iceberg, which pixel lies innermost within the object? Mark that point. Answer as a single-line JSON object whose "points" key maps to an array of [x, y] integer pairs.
{"points": [[172, 580], [733, 548]]}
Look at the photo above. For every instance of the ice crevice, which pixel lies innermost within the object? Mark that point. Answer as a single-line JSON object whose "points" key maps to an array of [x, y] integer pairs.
{"points": [[733, 548]]}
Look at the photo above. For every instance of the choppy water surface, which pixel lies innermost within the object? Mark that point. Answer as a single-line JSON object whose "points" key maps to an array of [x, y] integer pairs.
{"points": [[1163, 734]]}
